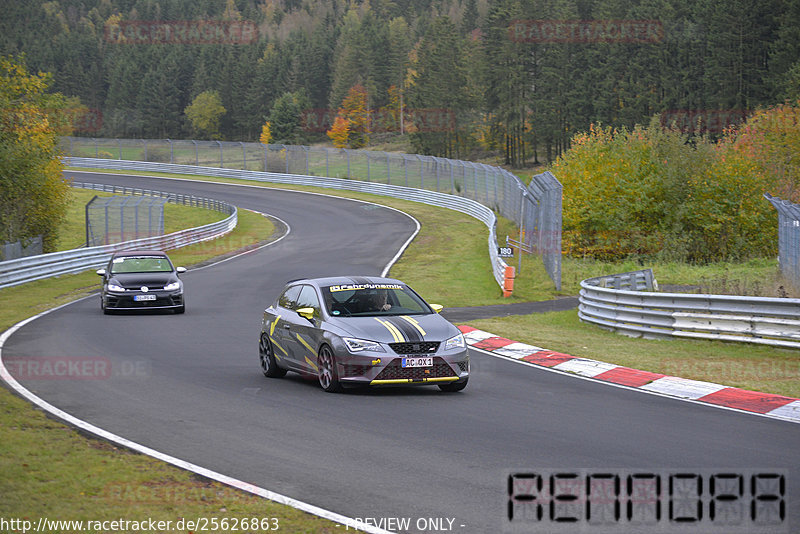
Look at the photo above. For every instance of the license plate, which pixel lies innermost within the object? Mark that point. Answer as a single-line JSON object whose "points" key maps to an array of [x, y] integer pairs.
{"points": [[140, 298], [417, 362]]}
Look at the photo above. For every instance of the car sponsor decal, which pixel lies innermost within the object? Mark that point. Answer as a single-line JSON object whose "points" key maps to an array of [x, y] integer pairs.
{"points": [[396, 334], [413, 323], [356, 287]]}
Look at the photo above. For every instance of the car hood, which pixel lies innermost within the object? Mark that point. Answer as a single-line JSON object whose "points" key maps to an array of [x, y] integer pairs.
{"points": [[397, 328], [137, 280]]}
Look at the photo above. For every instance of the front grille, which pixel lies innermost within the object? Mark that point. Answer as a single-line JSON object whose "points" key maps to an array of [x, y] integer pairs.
{"points": [[394, 371], [463, 366], [421, 347]]}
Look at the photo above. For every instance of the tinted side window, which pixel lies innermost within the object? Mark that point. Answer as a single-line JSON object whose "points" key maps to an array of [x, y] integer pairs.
{"points": [[308, 299], [289, 297]]}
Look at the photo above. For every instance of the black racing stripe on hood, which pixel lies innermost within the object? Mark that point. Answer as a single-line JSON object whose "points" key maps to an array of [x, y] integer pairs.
{"points": [[410, 333]]}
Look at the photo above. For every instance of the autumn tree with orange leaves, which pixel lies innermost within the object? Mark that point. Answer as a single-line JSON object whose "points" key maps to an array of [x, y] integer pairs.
{"points": [[351, 126]]}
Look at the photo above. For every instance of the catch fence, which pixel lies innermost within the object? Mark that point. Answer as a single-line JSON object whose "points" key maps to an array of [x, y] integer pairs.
{"points": [[123, 218], [494, 187], [788, 238]]}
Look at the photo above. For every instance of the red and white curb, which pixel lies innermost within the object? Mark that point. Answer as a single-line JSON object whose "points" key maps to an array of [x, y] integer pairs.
{"points": [[766, 404]]}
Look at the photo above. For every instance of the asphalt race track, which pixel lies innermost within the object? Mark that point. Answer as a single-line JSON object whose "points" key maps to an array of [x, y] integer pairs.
{"points": [[190, 386]]}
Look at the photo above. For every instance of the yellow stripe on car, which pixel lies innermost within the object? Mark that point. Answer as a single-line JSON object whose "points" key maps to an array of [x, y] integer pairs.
{"points": [[305, 344], [396, 334], [312, 364], [414, 323], [410, 380], [276, 344], [274, 324]]}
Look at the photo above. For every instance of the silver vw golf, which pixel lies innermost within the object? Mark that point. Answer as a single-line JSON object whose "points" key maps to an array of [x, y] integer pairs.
{"points": [[361, 331]]}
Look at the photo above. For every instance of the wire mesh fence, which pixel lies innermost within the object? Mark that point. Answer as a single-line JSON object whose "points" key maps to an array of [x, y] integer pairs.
{"points": [[788, 238], [21, 249], [123, 218], [491, 186], [543, 222]]}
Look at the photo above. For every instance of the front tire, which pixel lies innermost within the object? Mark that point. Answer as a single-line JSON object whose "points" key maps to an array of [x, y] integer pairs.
{"points": [[328, 377], [452, 387], [268, 364]]}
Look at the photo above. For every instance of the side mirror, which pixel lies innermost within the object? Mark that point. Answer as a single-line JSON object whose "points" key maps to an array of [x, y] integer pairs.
{"points": [[437, 308], [180, 270], [101, 272], [308, 313]]}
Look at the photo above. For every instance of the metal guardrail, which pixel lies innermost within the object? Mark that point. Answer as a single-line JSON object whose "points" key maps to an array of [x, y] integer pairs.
{"points": [[19, 271], [638, 311], [443, 200]]}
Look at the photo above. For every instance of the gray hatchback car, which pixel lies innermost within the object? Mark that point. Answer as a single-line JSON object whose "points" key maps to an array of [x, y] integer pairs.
{"points": [[361, 331]]}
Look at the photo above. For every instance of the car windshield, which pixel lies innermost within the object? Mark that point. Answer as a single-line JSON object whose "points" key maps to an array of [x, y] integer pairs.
{"points": [[351, 300], [140, 264]]}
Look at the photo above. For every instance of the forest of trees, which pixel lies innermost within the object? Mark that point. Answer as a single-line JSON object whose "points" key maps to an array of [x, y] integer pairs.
{"points": [[479, 72]]}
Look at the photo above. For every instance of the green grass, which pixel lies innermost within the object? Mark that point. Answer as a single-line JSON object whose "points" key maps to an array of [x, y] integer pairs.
{"points": [[49, 470]]}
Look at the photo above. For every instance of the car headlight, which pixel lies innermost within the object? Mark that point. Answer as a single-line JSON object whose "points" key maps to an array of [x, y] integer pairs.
{"points": [[172, 287], [358, 345], [456, 342], [114, 287]]}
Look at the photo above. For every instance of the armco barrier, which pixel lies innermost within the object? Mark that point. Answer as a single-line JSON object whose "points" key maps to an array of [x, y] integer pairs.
{"points": [[32, 268], [502, 274], [625, 303]]}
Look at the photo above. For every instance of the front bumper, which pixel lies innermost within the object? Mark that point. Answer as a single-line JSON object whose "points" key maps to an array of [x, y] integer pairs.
{"points": [[364, 369], [127, 300]]}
